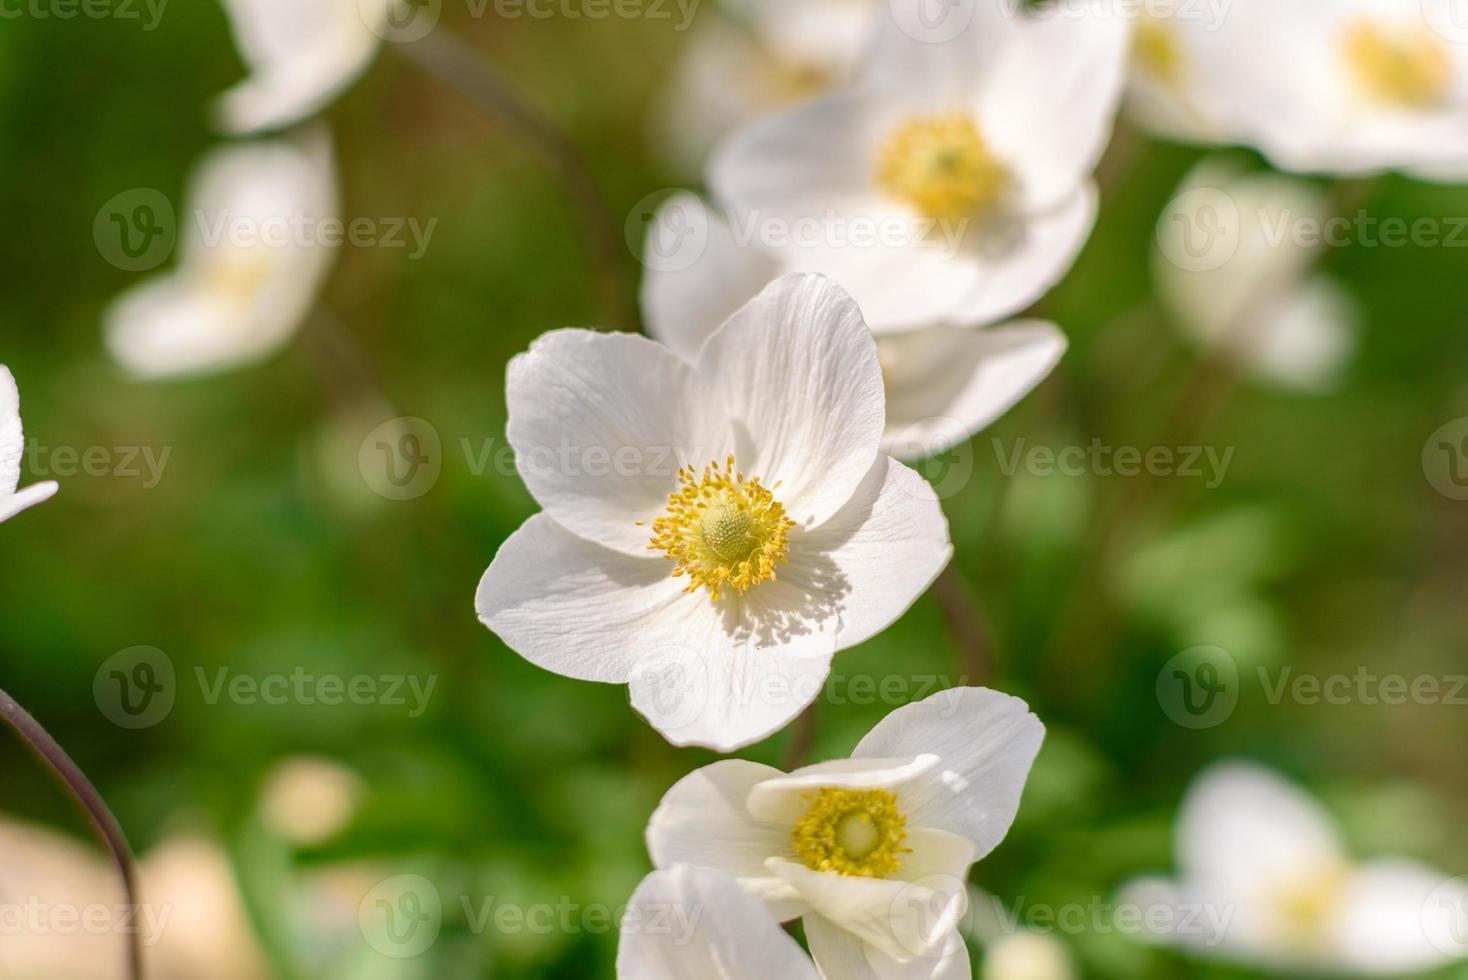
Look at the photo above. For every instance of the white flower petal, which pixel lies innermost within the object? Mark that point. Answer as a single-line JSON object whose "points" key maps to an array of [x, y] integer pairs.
{"points": [[36, 493], [600, 424], [698, 275], [782, 799], [1303, 339], [797, 368], [703, 820], [986, 742], [842, 956], [946, 384], [12, 435], [934, 854], [689, 922], [1398, 918]]}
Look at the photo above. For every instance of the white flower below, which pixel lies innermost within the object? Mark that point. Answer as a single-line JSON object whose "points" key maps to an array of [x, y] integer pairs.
{"points": [[1236, 267], [943, 383], [688, 923], [254, 251], [1028, 956], [1267, 867], [872, 852], [713, 532], [13, 500]]}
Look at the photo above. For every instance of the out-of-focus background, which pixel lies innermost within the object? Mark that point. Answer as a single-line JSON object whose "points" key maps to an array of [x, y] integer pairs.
{"points": [[233, 525]]}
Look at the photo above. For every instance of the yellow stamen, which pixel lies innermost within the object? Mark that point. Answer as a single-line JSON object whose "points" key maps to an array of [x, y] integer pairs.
{"points": [[1307, 906], [1405, 67], [237, 275], [722, 529], [941, 166], [1157, 52], [858, 832]]}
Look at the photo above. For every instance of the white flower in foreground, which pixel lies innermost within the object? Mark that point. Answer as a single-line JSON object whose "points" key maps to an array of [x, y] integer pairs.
{"points": [[1348, 86], [770, 55], [872, 852], [720, 591], [13, 500], [691, 923], [1264, 878], [1237, 268], [943, 383], [301, 55], [254, 251], [951, 183]]}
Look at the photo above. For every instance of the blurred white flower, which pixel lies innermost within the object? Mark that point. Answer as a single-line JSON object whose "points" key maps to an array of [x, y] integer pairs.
{"points": [[950, 184], [1028, 956], [1236, 267], [690, 922], [1178, 59], [770, 54], [872, 851], [301, 55], [257, 243], [309, 800], [1264, 878], [944, 383], [791, 535], [13, 500]]}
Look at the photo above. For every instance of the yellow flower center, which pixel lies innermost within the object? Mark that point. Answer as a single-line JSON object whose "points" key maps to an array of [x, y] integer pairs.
{"points": [[940, 165], [856, 832], [1157, 52], [1405, 67], [237, 275], [1305, 907], [722, 529]]}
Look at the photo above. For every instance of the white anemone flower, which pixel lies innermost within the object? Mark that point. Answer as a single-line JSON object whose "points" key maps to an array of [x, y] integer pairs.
{"points": [[13, 500], [872, 852], [254, 251], [1237, 265], [1348, 86], [691, 923], [301, 54], [944, 383], [1027, 955], [1264, 878], [714, 532], [1179, 59], [764, 56], [951, 182]]}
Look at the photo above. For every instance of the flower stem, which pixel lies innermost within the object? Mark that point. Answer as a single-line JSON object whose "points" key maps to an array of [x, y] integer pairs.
{"points": [[55, 757], [802, 737], [464, 70], [967, 624]]}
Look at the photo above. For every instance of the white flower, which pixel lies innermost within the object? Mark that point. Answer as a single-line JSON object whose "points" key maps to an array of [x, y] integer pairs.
{"points": [[950, 184], [872, 851], [770, 55], [1028, 956], [689, 923], [1237, 268], [1179, 59], [1264, 878], [786, 537], [301, 55], [944, 383], [1342, 86], [13, 500], [256, 245]]}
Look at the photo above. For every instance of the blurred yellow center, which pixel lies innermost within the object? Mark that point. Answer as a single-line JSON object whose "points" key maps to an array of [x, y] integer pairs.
{"points": [[238, 275], [940, 165], [857, 832], [1408, 67], [1306, 907], [1157, 51], [722, 529]]}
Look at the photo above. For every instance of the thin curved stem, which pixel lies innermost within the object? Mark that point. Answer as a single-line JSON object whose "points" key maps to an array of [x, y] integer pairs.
{"points": [[55, 757], [966, 623]]}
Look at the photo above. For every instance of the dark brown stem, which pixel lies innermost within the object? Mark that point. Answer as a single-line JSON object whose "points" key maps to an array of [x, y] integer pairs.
{"points": [[55, 757], [971, 636], [802, 737], [464, 70]]}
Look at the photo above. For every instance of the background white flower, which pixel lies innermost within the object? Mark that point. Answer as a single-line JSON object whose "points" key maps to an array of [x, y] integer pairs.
{"points": [[301, 55], [1282, 892], [943, 383], [973, 155], [809, 542], [1028, 956], [13, 500], [1180, 65], [253, 256], [1237, 265], [872, 851], [689, 922]]}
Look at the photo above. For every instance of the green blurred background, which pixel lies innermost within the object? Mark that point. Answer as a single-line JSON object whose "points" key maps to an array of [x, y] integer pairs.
{"points": [[263, 549]]}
